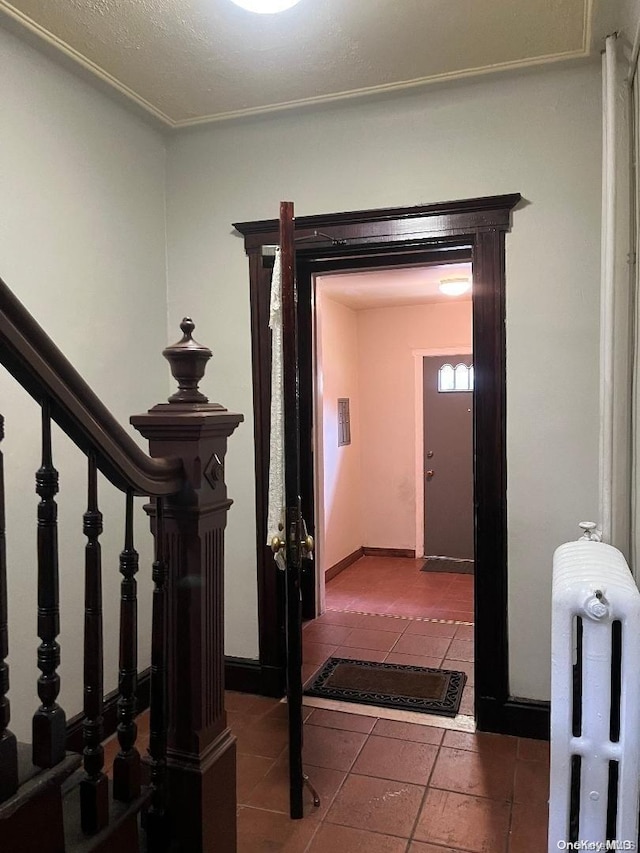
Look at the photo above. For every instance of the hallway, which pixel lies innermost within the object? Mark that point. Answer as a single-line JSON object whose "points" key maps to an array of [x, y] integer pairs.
{"points": [[395, 586], [385, 609], [388, 786], [385, 786]]}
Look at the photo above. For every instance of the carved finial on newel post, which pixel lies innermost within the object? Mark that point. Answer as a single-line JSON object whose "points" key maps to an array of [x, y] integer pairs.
{"points": [[188, 360]]}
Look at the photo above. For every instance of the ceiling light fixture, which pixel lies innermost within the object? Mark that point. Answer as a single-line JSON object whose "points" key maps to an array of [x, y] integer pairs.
{"points": [[265, 7], [454, 286]]}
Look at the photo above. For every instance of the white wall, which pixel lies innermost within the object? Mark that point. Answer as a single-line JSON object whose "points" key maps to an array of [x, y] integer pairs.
{"points": [[629, 20], [387, 339], [538, 134], [340, 475], [82, 244]]}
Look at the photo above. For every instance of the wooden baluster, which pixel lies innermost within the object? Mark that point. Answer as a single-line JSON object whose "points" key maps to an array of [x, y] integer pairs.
{"points": [[126, 767], [8, 745], [94, 788], [49, 721], [157, 833]]}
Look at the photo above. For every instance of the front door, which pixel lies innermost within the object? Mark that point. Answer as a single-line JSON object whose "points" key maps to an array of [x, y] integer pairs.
{"points": [[448, 456]]}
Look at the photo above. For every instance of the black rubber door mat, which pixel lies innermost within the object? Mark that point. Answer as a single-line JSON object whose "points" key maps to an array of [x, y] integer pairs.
{"points": [[390, 685]]}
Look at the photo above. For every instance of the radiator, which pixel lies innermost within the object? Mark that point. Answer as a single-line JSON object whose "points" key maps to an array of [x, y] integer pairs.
{"points": [[595, 700]]}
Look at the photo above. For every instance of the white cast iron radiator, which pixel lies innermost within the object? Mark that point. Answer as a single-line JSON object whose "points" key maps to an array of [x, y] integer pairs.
{"points": [[595, 699]]}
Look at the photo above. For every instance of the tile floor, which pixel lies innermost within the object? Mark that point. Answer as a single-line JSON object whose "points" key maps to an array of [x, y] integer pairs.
{"points": [[393, 639], [397, 587], [386, 609], [387, 786]]}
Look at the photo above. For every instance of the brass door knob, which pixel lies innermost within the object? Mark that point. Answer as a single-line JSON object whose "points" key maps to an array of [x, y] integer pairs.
{"points": [[308, 544], [430, 474], [277, 544]]}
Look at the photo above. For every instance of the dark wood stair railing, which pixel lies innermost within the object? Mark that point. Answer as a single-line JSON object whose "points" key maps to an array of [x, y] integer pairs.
{"points": [[94, 788], [126, 765], [8, 742], [157, 829], [49, 721], [190, 801]]}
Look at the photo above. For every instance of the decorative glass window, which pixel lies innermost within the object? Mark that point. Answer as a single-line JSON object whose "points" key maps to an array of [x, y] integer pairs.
{"points": [[458, 378]]}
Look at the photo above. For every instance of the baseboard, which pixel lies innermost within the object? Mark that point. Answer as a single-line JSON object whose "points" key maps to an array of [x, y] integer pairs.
{"points": [[519, 717], [241, 674], [388, 552], [341, 565], [250, 676], [444, 564], [110, 712]]}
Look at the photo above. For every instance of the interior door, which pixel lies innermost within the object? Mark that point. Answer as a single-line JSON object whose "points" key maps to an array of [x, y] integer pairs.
{"points": [[296, 544], [448, 456]]}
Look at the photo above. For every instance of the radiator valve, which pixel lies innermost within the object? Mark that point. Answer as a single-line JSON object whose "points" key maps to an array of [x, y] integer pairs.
{"points": [[596, 606], [589, 531]]}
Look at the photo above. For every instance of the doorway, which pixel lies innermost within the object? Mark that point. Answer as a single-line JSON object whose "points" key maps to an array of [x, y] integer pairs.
{"points": [[474, 230], [374, 332], [372, 327]]}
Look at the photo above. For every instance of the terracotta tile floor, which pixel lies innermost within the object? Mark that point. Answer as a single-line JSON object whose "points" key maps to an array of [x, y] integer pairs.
{"points": [[386, 609], [386, 786], [397, 587], [393, 639]]}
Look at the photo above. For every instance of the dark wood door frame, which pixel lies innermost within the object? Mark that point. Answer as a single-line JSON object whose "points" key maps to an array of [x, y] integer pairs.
{"points": [[391, 235]]}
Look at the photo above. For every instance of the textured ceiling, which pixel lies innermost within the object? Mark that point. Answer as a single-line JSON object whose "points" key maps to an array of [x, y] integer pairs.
{"points": [[390, 288], [189, 61]]}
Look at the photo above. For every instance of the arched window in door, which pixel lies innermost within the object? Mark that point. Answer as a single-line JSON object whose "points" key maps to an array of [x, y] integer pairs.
{"points": [[458, 378]]}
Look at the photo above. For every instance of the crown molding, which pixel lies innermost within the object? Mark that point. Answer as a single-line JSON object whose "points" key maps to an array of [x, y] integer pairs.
{"points": [[302, 103]]}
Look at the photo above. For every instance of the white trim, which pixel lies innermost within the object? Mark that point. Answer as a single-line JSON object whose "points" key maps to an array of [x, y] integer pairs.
{"points": [[607, 301], [402, 85], [384, 89], [418, 393], [82, 60], [635, 370]]}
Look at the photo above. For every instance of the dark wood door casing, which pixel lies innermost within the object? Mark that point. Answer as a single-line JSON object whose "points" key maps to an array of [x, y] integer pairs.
{"points": [[389, 236]]}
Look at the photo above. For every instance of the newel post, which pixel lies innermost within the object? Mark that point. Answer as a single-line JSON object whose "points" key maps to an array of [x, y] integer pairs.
{"points": [[201, 752]]}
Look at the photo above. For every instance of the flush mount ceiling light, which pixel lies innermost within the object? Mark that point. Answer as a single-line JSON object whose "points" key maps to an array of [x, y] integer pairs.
{"points": [[454, 286], [265, 7]]}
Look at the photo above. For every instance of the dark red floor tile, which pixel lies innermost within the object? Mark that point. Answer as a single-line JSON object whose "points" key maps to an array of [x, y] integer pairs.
{"points": [[378, 805], [331, 838], [458, 821]]}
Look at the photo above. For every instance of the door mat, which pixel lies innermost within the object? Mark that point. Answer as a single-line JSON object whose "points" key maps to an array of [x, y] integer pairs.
{"points": [[444, 564], [390, 685]]}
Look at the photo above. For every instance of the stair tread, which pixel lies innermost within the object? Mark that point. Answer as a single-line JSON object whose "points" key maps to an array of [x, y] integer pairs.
{"points": [[33, 780], [75, 840]]}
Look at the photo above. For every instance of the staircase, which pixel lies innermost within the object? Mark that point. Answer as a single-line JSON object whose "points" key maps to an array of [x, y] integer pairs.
{"points": [[55, 796]]}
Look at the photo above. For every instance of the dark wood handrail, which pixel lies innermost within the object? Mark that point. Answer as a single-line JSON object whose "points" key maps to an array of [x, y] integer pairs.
{"points": [[33, 359]]}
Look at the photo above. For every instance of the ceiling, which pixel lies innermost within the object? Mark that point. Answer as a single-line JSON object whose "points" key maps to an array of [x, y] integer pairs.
{"points": [[193, 61], [392, 288]]}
